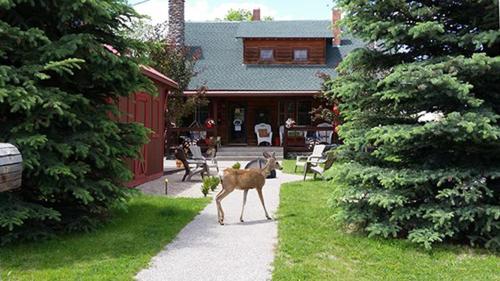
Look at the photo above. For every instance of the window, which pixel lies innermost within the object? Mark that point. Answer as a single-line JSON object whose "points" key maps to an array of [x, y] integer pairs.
{"points": [[266, 54], [303, 113], [297, 110], [300, 55]]}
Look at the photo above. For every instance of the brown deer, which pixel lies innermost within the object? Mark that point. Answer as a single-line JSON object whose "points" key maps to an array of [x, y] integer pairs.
{"points": [[245, 180]]}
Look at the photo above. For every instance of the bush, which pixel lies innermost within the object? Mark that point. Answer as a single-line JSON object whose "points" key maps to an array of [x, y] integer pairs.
{"points": [[205, 189], [211, 182], [58, 75], [236, 166], [421, 151]]}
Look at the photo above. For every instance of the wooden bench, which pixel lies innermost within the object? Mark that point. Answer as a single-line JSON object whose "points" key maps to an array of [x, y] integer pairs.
{"points": [[11, 167]]}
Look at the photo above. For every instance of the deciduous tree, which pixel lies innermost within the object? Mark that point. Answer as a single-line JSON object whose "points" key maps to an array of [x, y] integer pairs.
{"points": [[242, 15]]}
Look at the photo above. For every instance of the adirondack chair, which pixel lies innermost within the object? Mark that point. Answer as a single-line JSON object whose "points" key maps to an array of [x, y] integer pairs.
{"points": [[315, 157], [316, 168], [199, 166], [198, 156]]}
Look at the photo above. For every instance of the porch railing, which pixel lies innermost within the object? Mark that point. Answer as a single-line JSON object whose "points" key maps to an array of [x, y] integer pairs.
{"points": [[173, 136], [295, 139]]}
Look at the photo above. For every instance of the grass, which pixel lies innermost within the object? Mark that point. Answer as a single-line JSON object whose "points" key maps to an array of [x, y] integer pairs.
{"points": [[115, 252], [289, 166], [311, 247]]}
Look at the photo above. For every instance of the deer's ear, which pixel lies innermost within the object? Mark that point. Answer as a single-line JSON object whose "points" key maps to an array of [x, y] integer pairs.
{"points": [[266, 154], [274, 155]]}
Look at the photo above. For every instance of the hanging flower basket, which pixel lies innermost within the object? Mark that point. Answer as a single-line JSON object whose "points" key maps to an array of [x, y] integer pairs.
{"points": [[209, 123]]}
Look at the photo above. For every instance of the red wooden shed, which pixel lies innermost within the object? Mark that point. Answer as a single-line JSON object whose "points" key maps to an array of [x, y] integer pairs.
{"points": [[150, 111]]}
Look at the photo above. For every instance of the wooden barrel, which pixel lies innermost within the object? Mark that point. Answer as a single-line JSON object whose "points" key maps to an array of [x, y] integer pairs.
{"points": [[11, 167]]}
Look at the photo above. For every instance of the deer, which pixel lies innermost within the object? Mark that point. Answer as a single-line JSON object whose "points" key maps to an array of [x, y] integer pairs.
{"points": [[245, 180]]}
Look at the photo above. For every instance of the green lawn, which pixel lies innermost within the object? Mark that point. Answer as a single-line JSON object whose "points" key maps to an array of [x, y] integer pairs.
{"points": [[289, 166], [311, 247], [115, 252]]}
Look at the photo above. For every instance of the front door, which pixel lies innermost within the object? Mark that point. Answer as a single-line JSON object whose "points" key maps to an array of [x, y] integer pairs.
{"points": [[262, 116], [237, 124]]}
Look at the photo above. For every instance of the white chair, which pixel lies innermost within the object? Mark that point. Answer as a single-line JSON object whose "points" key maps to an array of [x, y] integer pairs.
{"points": [[282, 132], [315, 158], [264, 133], [316, 168], [324, 136]]}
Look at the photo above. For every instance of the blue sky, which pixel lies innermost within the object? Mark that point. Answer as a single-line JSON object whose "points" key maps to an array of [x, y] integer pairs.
{"points": [[203, 10]]}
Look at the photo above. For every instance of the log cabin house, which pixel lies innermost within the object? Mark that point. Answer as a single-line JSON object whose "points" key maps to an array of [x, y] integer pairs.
{"points": [[261, 72]]}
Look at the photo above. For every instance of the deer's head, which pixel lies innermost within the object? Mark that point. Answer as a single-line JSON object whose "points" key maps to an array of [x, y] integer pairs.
{"points": [[272, 163]]}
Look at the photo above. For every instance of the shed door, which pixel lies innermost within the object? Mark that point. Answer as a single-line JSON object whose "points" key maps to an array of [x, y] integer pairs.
{"points": [[141, 113], [157, 141]]}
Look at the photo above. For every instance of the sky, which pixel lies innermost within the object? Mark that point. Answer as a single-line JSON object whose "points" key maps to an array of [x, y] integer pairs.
{"points": [[206, 10]]}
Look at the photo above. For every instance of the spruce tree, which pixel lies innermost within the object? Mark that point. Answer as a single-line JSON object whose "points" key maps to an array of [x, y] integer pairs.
{"points": [[421, 111], [63, 66]]}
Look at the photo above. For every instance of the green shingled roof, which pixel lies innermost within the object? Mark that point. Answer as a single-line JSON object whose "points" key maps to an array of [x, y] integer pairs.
{"points": [[221, 65], [285, 29]]}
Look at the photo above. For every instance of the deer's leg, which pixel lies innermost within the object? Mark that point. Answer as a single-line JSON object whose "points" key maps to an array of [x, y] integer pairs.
{"points": [[218, 199], [245, 193], [262, 201], [216, 196]]}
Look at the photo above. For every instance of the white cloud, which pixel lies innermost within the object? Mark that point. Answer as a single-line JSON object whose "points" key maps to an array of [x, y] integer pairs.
{"points": [[197, 10], [157, 10], [201, 10]]}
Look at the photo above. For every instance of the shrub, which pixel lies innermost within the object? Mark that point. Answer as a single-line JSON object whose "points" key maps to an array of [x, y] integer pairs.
{"points": [[205, 189], [236, 166], [211, 182]]}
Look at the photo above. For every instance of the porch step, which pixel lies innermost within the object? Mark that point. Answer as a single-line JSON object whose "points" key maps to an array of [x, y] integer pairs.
{"points": [[232, 153], [243, 158]]}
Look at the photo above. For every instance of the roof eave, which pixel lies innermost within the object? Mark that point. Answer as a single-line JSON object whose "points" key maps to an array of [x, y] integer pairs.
{"points": [[255, 93], [158, 76]]}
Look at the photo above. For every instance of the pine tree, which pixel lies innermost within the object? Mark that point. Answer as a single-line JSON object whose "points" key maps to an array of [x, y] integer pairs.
{"points": [[59, 81], [421, 106]]}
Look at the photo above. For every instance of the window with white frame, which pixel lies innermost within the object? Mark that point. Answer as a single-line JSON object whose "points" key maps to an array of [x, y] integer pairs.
{"points": [[300, 55], [266, 54]]}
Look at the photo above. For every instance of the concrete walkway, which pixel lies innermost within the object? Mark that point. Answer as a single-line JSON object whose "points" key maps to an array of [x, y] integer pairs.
{"points": [[206, 251]]}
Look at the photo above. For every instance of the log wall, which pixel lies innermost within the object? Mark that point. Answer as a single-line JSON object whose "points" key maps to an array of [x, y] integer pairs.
{"points": [[283, 50]]}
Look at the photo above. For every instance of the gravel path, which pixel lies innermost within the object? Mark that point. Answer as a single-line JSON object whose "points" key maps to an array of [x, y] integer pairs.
{"points": [[206, 251]]}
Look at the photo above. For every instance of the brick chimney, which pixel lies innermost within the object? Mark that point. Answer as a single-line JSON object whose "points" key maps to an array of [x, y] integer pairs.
{"points": [[256, 15], [176, 24], [336, 16]]}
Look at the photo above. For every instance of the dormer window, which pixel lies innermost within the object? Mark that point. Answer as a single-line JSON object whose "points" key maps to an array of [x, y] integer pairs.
{"points": [[300, 55], [266, 54], [296, 51]]}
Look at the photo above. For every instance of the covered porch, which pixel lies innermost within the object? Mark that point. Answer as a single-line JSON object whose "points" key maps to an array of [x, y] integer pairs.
{"points": [[240, 119]]}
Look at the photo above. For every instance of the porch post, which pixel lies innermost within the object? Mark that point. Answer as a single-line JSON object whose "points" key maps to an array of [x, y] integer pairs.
{"points": [[215, 113], [285, 142]]}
